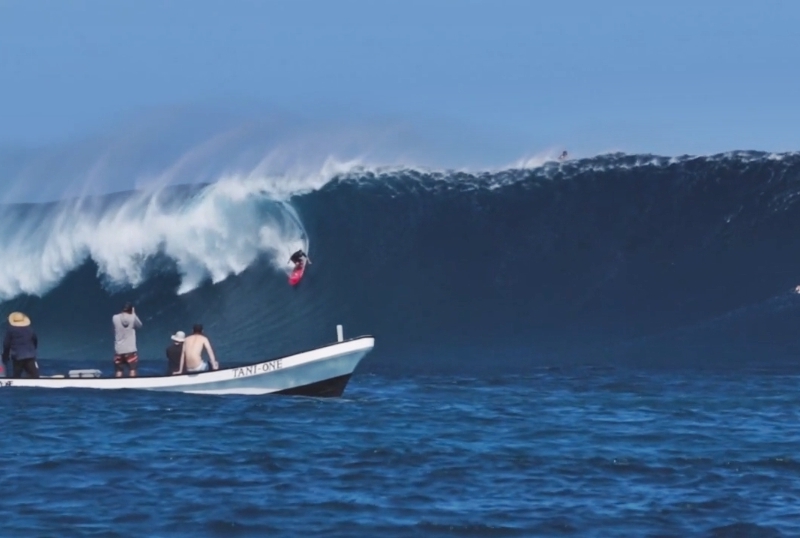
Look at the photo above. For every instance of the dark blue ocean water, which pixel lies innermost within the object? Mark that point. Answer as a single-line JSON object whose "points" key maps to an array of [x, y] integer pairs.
{"points": [[573, 451]]}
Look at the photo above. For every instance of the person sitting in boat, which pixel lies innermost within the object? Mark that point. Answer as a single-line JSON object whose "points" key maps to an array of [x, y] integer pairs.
{"points": [[299, 258], [125, 353], [192, 354], [21, 343], [174, 352]]}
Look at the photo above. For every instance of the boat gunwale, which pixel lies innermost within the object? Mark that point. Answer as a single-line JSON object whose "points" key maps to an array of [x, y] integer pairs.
{"points": [[195, 375]]}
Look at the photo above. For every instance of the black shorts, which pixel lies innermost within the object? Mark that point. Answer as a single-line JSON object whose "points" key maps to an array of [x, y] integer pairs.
{"points": [[28, 366]]}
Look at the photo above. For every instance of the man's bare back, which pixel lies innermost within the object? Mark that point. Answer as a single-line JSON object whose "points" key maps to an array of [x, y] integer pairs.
{"points": [[192, 354]]}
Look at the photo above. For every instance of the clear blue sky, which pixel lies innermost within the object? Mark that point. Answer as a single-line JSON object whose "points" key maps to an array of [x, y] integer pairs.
{"points": [[666, 77]]}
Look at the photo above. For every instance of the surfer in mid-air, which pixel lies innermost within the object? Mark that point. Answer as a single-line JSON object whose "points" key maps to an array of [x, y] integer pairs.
{"points": [[563, 156]]}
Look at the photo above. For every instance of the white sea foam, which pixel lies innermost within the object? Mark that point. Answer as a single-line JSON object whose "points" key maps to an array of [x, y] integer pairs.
{"points": [[215, 233]]}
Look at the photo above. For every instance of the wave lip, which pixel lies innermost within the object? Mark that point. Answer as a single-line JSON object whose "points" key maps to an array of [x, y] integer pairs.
{"points": [[211, 232]]}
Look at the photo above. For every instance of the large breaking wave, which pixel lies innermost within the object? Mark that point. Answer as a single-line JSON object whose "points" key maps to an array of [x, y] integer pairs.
{"points": [[614, 258]]}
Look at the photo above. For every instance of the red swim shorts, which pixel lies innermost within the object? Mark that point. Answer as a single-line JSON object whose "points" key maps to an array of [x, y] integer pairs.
{"points": [[126, 358]]}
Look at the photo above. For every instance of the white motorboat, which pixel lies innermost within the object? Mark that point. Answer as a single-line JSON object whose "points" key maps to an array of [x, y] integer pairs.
{"points": [[323, 371]]}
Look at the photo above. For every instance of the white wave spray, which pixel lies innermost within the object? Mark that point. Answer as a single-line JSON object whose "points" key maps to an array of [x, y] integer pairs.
{"points": [[211, 233]]}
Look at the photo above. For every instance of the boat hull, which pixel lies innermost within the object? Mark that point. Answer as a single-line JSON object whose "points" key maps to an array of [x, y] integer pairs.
{"points": [[323, 371]]}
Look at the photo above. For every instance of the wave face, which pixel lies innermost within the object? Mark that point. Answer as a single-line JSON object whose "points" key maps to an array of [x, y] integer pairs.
{"points": [[611, 259]]}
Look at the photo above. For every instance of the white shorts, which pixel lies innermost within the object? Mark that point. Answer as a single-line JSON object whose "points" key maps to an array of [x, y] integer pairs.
{"points": [[202, 368]]}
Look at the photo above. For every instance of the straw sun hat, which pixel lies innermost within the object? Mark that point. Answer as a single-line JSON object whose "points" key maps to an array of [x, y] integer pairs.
{"points": [[18, 319]]}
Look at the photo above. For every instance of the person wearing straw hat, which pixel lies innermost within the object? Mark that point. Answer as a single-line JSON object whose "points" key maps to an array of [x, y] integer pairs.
{"points": [[174, 353], [20, 344]]}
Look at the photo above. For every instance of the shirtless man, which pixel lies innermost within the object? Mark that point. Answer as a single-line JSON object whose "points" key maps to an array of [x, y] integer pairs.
{"points": [[192, 354]]}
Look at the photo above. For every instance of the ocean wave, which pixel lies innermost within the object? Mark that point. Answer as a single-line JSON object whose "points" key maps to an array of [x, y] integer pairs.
{"points": [[637, 255]]}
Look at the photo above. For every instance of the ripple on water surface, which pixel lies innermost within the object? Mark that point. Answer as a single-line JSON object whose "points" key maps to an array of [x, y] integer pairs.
{"points": [[584, 453]]}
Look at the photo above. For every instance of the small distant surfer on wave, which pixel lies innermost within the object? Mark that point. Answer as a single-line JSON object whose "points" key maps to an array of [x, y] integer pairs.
{"points": [[563, 156], [299, 259]]}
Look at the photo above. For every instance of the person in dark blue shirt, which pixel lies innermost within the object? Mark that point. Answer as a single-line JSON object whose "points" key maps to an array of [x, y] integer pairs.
{"points": [[20, 344]]}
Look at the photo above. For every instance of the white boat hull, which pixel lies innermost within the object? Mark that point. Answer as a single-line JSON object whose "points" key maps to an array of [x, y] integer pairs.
{"points": [[323, 371]]}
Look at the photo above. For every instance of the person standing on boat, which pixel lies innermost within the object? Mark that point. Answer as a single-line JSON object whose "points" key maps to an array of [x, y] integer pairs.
{"points": [[21, 343], [192, 355], [125, 353], [174, 353]]}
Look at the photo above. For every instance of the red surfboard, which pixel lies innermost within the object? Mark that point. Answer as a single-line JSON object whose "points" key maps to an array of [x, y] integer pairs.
{"points": [[297, 274]]}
